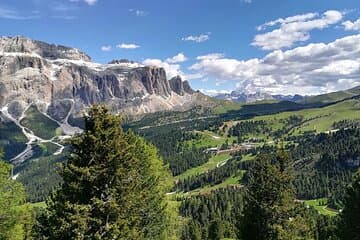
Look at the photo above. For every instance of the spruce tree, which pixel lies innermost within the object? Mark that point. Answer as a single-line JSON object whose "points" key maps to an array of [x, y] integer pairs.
{"points": [[270, 211], [114, 185], [191, 231], [349, 224], [216, 230]]}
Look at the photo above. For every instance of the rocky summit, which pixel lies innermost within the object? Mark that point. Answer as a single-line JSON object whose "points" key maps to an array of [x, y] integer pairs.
{"points": [[63, 81]]}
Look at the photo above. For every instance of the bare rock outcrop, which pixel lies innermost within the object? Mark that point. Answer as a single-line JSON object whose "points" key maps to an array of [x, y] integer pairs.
{"points": [[64, 81]]}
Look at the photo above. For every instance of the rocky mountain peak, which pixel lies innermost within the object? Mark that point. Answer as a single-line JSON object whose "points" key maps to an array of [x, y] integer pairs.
{"points": [[179, 86], [62, 82], [25, 45]]}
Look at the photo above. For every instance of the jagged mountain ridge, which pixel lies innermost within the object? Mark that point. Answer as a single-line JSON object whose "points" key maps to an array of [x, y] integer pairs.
{"points": [[243, 97], [53, 76]]}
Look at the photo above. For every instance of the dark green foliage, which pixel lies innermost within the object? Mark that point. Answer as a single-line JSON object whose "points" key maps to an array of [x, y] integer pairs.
{"points": [[12, 139], [113, 186], [39, 173], [326, 226], [270, 211], [324, 164], [191, 231], [175, 150], [39, 176], [216, 230], [349, 224], [218, 209], [242, 129], [346, 124], [211, 177], [289, 124]]}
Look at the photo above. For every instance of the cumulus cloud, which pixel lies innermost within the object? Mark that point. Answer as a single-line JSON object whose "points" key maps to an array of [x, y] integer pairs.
{"points": [[311, 69], [127, 46], [177, 58], [89, 2], [172, 70], [172, 66], [106, 48], [352, 26], [199, 38], [293, 29]]}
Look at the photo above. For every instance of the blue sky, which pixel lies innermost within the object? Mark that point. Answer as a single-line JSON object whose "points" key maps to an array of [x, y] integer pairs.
{"points": [[278, 46]]}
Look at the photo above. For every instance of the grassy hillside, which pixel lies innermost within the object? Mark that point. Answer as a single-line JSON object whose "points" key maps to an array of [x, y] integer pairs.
{"points": [[333, 97], [316, 119], [211, 164], [321, 206], [41, 125]]}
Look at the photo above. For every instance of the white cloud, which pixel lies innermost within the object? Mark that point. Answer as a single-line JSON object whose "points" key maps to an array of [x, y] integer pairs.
{"points": [[16, 15], [127, 46], [172, 70], [352, 26], [200, 38], [89, 2], [172, 66], [139, 13], [177, 58], [296, 18], [211, 56], [311, 69], [294, 29], [247, 1], [106, 48]]}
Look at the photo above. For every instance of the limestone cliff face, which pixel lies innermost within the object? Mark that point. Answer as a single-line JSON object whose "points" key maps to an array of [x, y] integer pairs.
{"points": [[180, 87], [63, 81], [154, 80]]}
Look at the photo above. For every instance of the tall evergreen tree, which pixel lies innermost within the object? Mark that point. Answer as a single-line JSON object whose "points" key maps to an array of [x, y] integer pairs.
{"points": [[15, 215], [191, 231], [349, 224], [270, 210], [113, 186], [216, 230]]}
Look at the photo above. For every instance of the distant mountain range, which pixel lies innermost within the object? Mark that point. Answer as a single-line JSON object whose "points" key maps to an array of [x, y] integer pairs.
{"points": [[63, 81], [242, 97]]}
